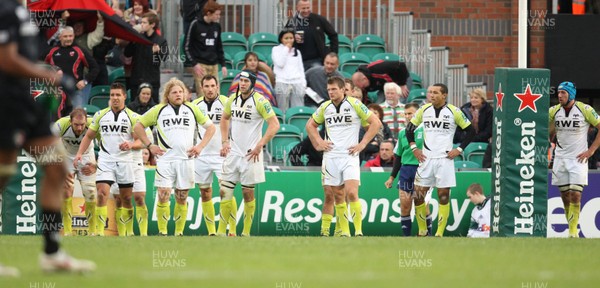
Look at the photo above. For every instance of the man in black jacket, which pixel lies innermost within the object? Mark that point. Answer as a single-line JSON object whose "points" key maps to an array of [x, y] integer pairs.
{"points": [[372, 77], [203, 46], [147, 59], [310, 34]]}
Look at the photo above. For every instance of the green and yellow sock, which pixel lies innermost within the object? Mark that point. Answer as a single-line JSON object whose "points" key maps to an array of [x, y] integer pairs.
{"points": [[141, 213], [574, 219], [326, 224], [163, 213], [90, 214], [121, 229], [127, 215], [233, 217], [208, 210], [421, 215], [67, 216], [442, 219], [179, 216], [567, 206], [102, 214], [224, 216], [249, 209], [342, 218], [356, 210]]}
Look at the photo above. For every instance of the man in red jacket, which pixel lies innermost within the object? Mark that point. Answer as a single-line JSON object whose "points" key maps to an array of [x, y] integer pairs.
{"points": [[385, 157]]}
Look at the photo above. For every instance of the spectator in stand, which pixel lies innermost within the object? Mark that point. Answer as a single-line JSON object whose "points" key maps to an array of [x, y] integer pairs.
{"points": [[316, 80], [135, 14], [349, 87], [385, 158], [289, 72], [393, 109], [203, 46], [146, 59], [72, 60], [310, 33], [480, 113], [384, 133], [143, 102], [263, 73], [315, 158], [373, 76], [190, 10]]}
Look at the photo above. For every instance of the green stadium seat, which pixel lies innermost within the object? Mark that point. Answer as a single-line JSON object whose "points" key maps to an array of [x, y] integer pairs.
{"points": [[289, 148], [417, 80], [466, 164], [233, 42], [417, 94], [287, 134], [350, 61], [386, 57], [99, 101], [298, 116], [181, 48], [263, 43], [368, 44], [344, 44], [91, 109], [100, 90], [228, 61], [117, 75], [459, 157], [279, 114], [474, 152]]}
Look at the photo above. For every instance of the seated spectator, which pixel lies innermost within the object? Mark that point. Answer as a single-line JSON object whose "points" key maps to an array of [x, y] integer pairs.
{"points": [[385, 158], [289, 72], [263, 77], [480, 113], [480, 217], [316, 80], [135, 14], [143, 101], [315, 158], [384, 133], [393, 109], [149, 161]]}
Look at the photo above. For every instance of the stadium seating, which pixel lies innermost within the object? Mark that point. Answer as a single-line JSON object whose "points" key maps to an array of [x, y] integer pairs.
{"points": [[263, 43], [226, 82], [117, 75], [386, 57], [287, 134], [298, 116], [466, 164], [474, 152], [368, 44], [417, 95], [181, 48], [289, 148], [228, 61], [344, 44], [91, 109], [417, 80], [279, 114], [350, 61], [100, 101], [233, 42], [459, 157], [100, 90]]}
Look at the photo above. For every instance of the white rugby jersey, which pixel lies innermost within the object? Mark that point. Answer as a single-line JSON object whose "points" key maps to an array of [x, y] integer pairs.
{"points": [[342, 124], [114, 128], [572, 128], [70, 141], [480, 220], [439, 126], [214, 110], [176, 128], [247, 119]]}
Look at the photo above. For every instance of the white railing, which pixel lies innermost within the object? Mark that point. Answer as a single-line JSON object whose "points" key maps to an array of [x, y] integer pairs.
{"points": [[457, 82]]}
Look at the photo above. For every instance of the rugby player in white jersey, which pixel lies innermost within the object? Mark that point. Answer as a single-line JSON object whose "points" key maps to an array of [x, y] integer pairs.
{"points": [[436, 160], [570, 120], [244, 115], [114, 125], [210, 161], [340, 171], [175, 120], [71, 130]]}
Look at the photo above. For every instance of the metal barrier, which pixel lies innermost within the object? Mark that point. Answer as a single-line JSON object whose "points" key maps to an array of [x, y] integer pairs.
{"points": [[418, 57], [401, 23], [457, 82], [439, 61]]}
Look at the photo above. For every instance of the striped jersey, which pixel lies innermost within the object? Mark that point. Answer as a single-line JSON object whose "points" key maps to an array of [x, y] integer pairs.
{"points": [[342, 124], [114, 128], [394, 117], [175, 127], [572, 128], [439, 126], [247, 119], [214, 111]]}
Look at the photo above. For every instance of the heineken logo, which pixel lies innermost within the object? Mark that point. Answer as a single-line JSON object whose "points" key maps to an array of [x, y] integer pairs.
{"points": [[499, 97], [526, 163], [528, 99], [498, 171]]}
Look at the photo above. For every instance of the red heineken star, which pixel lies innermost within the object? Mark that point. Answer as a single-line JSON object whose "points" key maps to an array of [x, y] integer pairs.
{"points": [[528, 99], [499, 97], [81, 208]]}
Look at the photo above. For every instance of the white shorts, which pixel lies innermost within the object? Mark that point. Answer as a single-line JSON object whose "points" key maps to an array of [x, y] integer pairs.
{"points": [[85, 159], [436, 172], [239, 169], [206, 166], [567, 171], [139, 172], [335, 171], [119, 172], [177, 174], [114, 189]]}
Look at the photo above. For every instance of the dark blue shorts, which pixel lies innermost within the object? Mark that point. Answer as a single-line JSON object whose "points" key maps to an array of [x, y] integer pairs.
{"points": [[407, 178]]}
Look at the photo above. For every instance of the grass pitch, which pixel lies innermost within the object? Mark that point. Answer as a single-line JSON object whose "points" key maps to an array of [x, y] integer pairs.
{"points": [[295, 262]]}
